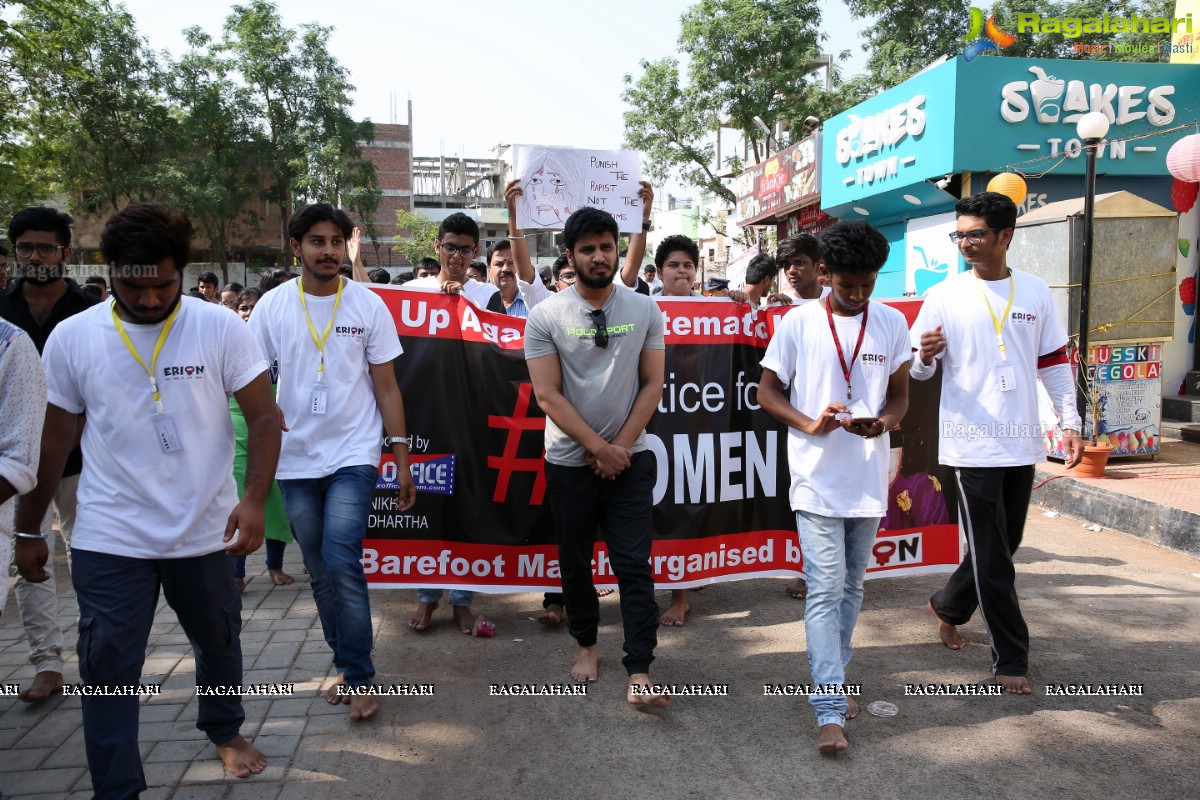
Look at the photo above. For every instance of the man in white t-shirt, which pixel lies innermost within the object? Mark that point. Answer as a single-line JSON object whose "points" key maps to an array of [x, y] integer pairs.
{"points": [[152, 371], [336, 345], [457, 245], [994, 329], [22, 411], [845, 361]]}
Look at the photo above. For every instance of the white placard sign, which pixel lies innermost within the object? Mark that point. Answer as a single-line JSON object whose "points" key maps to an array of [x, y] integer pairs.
{"points": [[558, 180]]}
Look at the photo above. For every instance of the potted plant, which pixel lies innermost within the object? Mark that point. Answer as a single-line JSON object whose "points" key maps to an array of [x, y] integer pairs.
{"points": [[1099, 444]]}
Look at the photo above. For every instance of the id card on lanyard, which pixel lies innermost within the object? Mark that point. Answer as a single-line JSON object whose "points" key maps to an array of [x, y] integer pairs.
{"points": [[165, 429], [1006, 374], [319, 398]]}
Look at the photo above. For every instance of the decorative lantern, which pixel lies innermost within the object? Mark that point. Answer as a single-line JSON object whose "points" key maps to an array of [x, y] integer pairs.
{"points": [[1183, 159], [1183, 195], [1010, 185]]}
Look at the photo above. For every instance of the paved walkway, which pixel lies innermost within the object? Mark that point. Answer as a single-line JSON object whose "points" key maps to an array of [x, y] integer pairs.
{"points": [[1173, 479], [1102, 607]]}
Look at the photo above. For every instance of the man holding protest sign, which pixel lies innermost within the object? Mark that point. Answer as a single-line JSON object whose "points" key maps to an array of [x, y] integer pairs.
{"points": [[842, 347], [596, 358]]}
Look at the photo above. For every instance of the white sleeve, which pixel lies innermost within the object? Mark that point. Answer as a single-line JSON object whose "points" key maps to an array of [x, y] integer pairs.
{"points": [[241, 357], [383, 341], [780, 357], [533, 293], [1059, 382], [260, 326], [22, 410], [62, 388], [929, 317]]}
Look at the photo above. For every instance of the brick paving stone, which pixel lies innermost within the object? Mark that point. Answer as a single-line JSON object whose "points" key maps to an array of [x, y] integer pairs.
{"points": [[255, 790], [177, 750], [165, 773], [50, 781], [277, 746], [69, 754], [159, 709], [284, 726], [51, 731], [291, 636], [277, 656], [200, 793], [22, 759], [204, 770]]}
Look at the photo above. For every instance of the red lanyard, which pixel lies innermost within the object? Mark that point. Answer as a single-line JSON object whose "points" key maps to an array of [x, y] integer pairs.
{"points": [[846, 368]]}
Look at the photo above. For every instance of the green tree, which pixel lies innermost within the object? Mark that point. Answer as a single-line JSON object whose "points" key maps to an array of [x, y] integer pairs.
{"points": [[421, 239], [747, 58], [310, 145], [93, 111], [216, 176]]}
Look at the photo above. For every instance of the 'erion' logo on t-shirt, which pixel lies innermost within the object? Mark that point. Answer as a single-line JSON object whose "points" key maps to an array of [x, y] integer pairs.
{"points": [[347, 330], [1022, 316], [874, 358], [184, 373]]}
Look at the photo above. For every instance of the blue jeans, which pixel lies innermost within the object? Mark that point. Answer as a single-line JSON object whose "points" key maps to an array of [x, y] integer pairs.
{"points": [[329, 519], [458, 597], [836, 550], [117, 596]]}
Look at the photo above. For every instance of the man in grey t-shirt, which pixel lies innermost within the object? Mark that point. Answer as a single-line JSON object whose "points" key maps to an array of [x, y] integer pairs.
{"points": [[596, 359]]}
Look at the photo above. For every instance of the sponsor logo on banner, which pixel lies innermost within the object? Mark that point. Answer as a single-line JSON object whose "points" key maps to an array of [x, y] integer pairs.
{"points": [[896, 551], [433, 474]]}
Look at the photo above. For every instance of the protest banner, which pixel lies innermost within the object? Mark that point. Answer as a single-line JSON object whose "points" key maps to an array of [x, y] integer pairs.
{"points": [[558, 180], [721, 492]]}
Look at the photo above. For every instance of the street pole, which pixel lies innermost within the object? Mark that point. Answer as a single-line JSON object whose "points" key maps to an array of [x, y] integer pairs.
{"points": [[1092, 127]]}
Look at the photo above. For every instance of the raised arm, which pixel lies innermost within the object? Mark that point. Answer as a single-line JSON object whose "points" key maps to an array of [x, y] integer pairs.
{"points": [[354, 253], [637, 242], [520, 249]]}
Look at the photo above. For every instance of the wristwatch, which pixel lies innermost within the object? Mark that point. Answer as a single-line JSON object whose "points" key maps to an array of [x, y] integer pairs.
{"points": [[647, 226], [388, 441]]}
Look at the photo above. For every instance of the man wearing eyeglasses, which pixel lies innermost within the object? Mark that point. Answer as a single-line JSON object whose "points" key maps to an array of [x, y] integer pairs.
{"points": [[457, 245], [37, 301], [596, 357], [995, 330]]}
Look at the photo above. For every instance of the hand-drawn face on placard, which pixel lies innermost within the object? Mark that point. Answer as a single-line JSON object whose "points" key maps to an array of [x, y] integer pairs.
{"points": [[552, 185]]}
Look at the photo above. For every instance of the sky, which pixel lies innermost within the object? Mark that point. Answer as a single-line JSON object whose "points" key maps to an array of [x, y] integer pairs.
{"points": [[485, 73]]}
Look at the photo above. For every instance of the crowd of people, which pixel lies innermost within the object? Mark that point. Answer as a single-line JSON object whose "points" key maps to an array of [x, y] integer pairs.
{"points": [[169, 437]]}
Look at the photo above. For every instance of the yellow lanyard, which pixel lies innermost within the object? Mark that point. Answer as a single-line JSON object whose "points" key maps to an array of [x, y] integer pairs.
{"points": [[162, 338], [998, 324], [319, 341]]}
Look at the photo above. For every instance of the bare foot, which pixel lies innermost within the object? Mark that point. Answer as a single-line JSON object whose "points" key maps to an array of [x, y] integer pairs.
{"points": [[45, 684], [280, 578], [422, 616], [586, 668], [241, 758], [552, 615], [241, 584], [798, 589], [948, 633], [464, 619], [363, 706], [676, 613], [333, 697], [1015, 684], [641, 699], [831, 739], [852, 708], [603, 592]]}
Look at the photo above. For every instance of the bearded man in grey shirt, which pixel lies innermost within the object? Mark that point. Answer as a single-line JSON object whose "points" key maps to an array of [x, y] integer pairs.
{"points": [[596, 358]]}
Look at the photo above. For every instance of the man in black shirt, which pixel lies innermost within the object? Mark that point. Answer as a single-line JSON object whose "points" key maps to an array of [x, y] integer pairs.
{"points": [[39, 299]]}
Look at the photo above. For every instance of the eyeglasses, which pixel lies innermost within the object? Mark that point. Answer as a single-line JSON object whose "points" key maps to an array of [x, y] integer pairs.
{"points": [[601, 321], [974, 237], [566, 277], [450, 250], [27, 249]]}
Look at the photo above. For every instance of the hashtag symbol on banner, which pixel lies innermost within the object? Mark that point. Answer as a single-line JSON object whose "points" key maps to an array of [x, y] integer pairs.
{"points": [[509, 463]]}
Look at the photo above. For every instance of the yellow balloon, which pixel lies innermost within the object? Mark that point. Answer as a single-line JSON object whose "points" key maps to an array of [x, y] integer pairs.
{"points": [[1010, 185]]}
